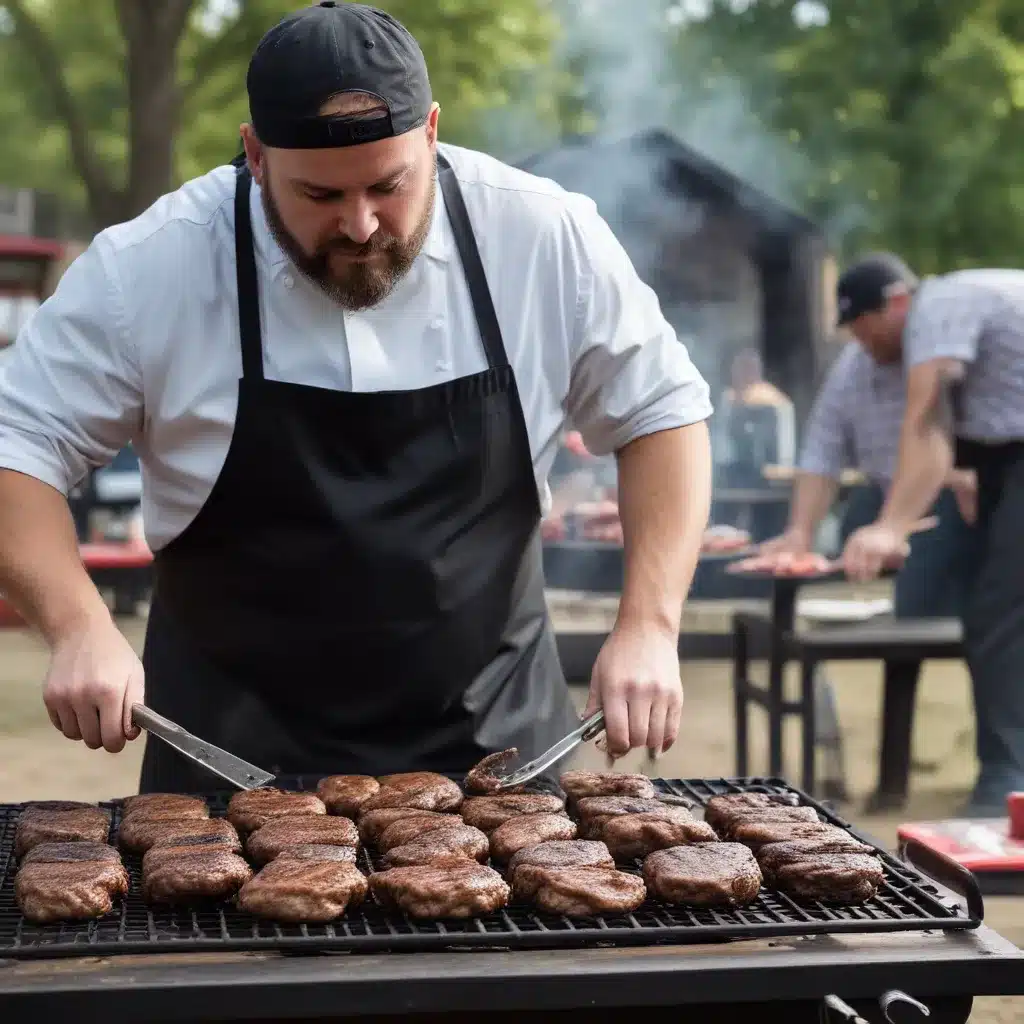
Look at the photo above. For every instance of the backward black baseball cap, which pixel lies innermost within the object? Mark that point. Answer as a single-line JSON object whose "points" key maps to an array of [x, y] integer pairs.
{"points": [[331, 48], [865, 286]]}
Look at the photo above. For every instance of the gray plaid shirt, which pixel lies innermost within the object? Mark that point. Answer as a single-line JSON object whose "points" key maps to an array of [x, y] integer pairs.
{"points": [[977, 317], [856, 418]]}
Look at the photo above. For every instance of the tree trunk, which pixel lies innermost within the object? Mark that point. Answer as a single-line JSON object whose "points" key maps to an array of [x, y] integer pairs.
{"points": [[152, 33]]}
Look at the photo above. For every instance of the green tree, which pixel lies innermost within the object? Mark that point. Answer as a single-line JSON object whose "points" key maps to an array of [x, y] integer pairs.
{"points": [[113, 102], [910, 115]]}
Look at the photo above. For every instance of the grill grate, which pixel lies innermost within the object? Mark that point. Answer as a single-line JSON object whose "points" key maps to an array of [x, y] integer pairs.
{"points": [[905, 902]]}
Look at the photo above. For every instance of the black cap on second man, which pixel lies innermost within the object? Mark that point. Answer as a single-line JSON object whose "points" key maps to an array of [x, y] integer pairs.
{"points": [[332, 48], [866, 285]]}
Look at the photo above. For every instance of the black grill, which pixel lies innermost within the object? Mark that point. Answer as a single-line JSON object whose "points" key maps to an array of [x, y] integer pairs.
{"points": [[905, 902]]}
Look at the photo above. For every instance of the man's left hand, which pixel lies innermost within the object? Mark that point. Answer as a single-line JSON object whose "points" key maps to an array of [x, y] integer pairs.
{"points": [[636, 681], [872, 549]]}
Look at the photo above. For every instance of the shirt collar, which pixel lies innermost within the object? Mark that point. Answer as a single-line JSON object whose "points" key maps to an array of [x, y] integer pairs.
{"points": [[437, 246]]}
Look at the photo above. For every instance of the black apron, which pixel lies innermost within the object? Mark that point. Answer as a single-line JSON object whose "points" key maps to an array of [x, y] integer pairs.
{"points": [[994, 620], [362, 591]]}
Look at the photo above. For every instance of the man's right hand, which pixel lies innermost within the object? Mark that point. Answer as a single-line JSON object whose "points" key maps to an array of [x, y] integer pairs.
{"points": [[793, 542], [94, 679]]}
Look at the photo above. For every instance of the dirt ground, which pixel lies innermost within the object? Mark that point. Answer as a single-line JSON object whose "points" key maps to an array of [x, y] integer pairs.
{"points": [[37, 763]]}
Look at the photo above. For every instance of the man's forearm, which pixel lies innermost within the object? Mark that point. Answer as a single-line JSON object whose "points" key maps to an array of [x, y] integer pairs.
{"points": [[925, 462], [41, 571], [812, 498], [664, 501]]}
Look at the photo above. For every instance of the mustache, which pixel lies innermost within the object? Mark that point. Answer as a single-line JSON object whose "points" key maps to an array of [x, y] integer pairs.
{"points": [[351, 248]]}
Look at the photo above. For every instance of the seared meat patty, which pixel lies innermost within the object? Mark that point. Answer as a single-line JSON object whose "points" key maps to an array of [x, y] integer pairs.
{"points": [[449, 844], [251, 808], [182, 874], [407, 830], [157, 803], [629, 836], [460, 890], [41, 825], [138, 833], [296, 891], [703, 875], [318, 852], [372, 824], [529, 830], [483, 776], [68, 890], [278, 834], [719, 808], [488, 812], [756, 834], [593, 811], [70, 853], [832, 877], [579, 891], [751, 814], [426, 791], [346, 794], [45, 806], [776, 855], [563, 853], [580, 784]]}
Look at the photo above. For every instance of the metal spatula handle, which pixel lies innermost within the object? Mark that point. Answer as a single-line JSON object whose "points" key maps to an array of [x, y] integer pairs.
{"points": [[236, 771], [587, 731]]}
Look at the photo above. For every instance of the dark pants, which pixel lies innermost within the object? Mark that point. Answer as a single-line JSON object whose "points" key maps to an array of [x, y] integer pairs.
{"points": [[937, 574], [994, 622]]}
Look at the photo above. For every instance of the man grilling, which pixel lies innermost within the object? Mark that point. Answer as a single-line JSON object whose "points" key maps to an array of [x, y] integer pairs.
{"points": [[855, 422], [962, 336], [345, 364]]}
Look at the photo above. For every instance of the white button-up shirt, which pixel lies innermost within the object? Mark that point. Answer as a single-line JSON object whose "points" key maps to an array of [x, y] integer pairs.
{"points": [[140, 341]]}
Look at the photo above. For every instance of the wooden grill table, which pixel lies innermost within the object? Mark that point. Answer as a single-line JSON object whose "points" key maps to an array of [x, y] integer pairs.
{"points": [[902, 645]]}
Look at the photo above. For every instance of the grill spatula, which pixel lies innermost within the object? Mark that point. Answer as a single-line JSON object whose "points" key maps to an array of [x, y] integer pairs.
{"points": [[238, 772]]}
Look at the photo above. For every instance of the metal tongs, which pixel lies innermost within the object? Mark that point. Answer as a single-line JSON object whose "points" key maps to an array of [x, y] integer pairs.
{"points": [[238, 772], [587, 731]]}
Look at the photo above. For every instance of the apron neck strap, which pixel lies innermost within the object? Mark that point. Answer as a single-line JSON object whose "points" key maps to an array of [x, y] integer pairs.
{"points": [[472, 266], [248, 282]]}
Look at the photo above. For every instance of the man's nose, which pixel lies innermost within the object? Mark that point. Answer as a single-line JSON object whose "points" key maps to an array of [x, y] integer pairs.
{"points": [[358, 221]]}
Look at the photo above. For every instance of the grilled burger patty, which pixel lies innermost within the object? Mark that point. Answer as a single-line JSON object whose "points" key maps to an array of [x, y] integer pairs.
{"points": [[346, 794], [137, 834], [65, 890], [458, 890], [444, 845], [832, 877], [426, 791], [293, 891], [41, 825], [563, 853], [251, 808], [703, 875], [579, 891], [580, 784], [529, 830], [720, 808], [159, 803], [756, 834], [372, 824], [483, 776], [488, 812], [630, 836], [181, 874], [278, 834], [407, 830], [70, 853], [742, 816]]}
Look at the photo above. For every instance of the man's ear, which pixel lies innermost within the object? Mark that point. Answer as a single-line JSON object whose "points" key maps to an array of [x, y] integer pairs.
{"points": [[254, 155]]}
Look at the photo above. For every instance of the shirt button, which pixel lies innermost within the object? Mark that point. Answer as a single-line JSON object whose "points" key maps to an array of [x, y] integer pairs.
{"points": [[289, 281], [442, 364], [437, 323]]}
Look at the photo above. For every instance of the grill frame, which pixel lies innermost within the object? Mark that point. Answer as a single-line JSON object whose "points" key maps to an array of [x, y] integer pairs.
{"points": [[907, 901]]}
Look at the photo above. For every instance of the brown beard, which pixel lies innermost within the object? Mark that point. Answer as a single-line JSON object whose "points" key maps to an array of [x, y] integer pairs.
{"points": [[365, 284]]}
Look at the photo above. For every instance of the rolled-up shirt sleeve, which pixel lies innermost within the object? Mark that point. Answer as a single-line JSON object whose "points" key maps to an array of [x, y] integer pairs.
{"points": [[631, 375], [70, 390], [826, 436]]}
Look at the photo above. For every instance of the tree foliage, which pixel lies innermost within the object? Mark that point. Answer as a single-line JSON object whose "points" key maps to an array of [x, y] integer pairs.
{"points": [[113, 102]]}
